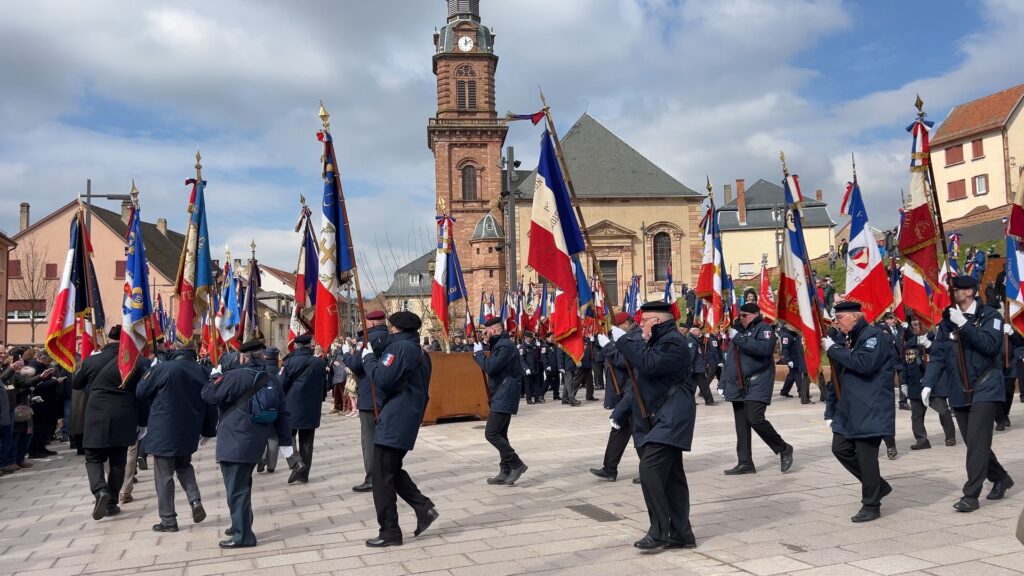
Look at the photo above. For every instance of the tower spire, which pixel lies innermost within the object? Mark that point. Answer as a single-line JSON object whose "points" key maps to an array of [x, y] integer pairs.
{"points": [[464, 10]]}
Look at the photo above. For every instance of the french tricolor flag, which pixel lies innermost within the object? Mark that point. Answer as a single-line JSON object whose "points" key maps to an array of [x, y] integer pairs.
{"points": [[796, 301], [865, 273], [670, 294], [447, 286]]}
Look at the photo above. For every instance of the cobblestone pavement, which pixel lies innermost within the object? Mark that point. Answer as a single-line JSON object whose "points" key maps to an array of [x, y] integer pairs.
{"points": [[557, 520]]}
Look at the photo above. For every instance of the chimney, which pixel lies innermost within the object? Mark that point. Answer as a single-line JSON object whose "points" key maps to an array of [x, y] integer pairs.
{"points": [[818, 195], [741, 201], [126, 211], [728, 194], [161, 225], [24, 216]]}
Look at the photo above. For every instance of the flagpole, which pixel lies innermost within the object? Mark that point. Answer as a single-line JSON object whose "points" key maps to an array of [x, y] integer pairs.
{"points": [[83, 233], [594, 266]]}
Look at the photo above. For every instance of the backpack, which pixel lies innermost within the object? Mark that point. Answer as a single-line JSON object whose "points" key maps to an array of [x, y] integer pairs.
{"points": [[265, 401]]}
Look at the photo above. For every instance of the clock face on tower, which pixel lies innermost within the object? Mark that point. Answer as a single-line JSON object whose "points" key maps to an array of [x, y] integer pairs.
{"points": [[465, 43]]}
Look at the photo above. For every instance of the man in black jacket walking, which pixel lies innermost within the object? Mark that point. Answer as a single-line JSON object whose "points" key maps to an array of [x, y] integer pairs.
{"points": [[504, 369], [304, 379]]}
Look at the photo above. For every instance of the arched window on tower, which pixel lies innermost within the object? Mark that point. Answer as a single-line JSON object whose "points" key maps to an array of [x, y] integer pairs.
{"points": [[465, 87], [662, 255], [469, 182]]}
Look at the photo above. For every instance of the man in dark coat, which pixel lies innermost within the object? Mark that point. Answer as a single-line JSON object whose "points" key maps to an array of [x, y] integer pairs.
{"points": [[622, 427], [700, 364], [402, 380], [748, 381], [505, 372], [583, 376], [533, 381], [367, 395], [792, 348], [304, 379], [240, 439], [178, 417], [112, 416], [861, 412], [913, 374], [552, 377], [661, 364], [968, 345]]}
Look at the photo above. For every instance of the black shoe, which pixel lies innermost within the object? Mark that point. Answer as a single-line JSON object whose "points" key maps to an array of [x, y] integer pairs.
{"points": [[786, 458], [38, 455], [270, 470], [576, 402], [113, 510], [966, 504], [141, 463], [539, 400], [298, 470], [100, 509], [741, 469], [592, 399], [712, 403], [786, 395], [229, 532], [529, 401], [921, 445], [1006, 421], [364, 487], [891, 452], [232, 544], [807, 401], [999, 488], [950, 441], [423, 523], [886, 490], [564, 401], [1000, 426], [499, 479], [515, 473], [903, 406], [679, 544], [261, 466], [649, 543], [198, 512], [381, 543], [636, 480], [48, 452], [867, 514], [165, 527], [604, 474]]}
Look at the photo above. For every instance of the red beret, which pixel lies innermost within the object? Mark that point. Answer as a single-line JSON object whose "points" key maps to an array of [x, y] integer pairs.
{"points": [[376, 315], [620, 317]]}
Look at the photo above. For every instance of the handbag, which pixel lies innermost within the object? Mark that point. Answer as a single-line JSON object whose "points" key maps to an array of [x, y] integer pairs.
{"points": [[22, 413]]}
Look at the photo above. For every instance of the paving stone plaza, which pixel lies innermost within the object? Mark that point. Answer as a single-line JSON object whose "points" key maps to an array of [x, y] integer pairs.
{"points": [[557, 520]]}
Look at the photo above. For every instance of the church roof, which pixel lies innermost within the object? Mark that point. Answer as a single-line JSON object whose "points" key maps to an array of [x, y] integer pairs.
{"points": [[487, 229], [760, 198], [602, 165]]}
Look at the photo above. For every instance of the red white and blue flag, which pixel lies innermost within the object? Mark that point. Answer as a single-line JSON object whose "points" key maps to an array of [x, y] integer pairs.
{"points": [[336, 260], [484, 315], [796, 293], [711, 279], [1014, 294], [136, 305], [447, 286], [866, 281], [71, 303], [896, 284], [632, 304], [229, 312], [670, 293], [536, 117], [306, 282], [555, 237]]}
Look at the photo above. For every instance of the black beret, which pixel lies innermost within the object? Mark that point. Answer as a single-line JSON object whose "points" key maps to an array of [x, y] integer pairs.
{"points": [[303, 338], [114, 333], [527, 334], [252, 345], [750, 308], [272, 353], [964, 282], [656, 306], [492, 321], [405, 321], [847, 306]]}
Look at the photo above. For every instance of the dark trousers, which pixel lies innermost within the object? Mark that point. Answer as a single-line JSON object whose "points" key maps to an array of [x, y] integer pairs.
{"points": [[975, 424], [917, 412], [666, 492], [303, 439], [110, 483], [389, 482], [803, 386], [703, 385], [366, 429], [238, 489], [617, 441], [749, 415], [860, 457], [164, 471], [43, 425], [599, 375], [583, 378], [338, 395], [534, 383], [551, 382], [1011, 385], [496, 432]]}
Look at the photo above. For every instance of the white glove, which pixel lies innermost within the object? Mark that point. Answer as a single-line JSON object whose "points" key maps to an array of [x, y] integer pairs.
{"points": [[617, 333], [286, 452], [561, 370], [924, 341], [1007, 329], [142, 432], [615, 425], [477, 347], [547, 368], [732, 333], [827, 343], [345, 348], [367, 350], [154, 362], [602, 340], [828, 422], [925, 393], [790, 364], [905, 325], [203, 440], [904, 389], [216, 371], [36, 400], [721, 393], [956, 316], [359, 345], [528, 373]]}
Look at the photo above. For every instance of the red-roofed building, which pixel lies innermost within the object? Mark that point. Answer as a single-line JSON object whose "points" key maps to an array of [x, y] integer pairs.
{"points": [[978, 152]]}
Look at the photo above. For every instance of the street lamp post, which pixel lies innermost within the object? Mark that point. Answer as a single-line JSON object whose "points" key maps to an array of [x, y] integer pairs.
{"points": [[643, 252], [778, 215], [88, 202]]}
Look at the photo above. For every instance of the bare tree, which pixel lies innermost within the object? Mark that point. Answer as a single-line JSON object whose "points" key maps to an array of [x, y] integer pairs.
{"points": [[33, 285]]}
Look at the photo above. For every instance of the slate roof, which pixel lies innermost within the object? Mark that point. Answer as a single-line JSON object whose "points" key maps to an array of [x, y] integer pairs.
{"points": [[400, 285], [602, 165], [487, 228], [162, 252], [977, 116], [761, 197]]}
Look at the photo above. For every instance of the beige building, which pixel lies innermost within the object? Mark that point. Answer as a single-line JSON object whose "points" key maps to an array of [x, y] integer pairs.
{"points": [[36, 265], [410, 291], [6, 245], [978, 153], [752, 226]]}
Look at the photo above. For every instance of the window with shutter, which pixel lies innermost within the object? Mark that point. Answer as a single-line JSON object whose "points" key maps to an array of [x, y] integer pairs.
{"points": [[977, 149], [979, 185], [14, 269], [956, 190], [119, 267], [954, 154], [51, 271]]}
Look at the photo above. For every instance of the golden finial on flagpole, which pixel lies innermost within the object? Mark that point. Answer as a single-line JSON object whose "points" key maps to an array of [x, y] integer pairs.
{"points": [[919, 104], [199, 166], [302, 199], [227, 253], [253, 246], [325, 117], [782, 157], [709, 184], [134, 194]]}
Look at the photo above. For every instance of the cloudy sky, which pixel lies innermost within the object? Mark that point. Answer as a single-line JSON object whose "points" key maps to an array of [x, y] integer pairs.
{"points": [[118, 90]]}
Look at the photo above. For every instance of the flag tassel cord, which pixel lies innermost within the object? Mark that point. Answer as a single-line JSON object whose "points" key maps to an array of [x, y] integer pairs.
{"points": [[590, 247]]}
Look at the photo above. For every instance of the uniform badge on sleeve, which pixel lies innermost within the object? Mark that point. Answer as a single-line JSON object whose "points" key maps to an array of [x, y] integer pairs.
{"points": [[785, 340], [388, 359], [871, 343], [767, 333], [997, 324]]}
